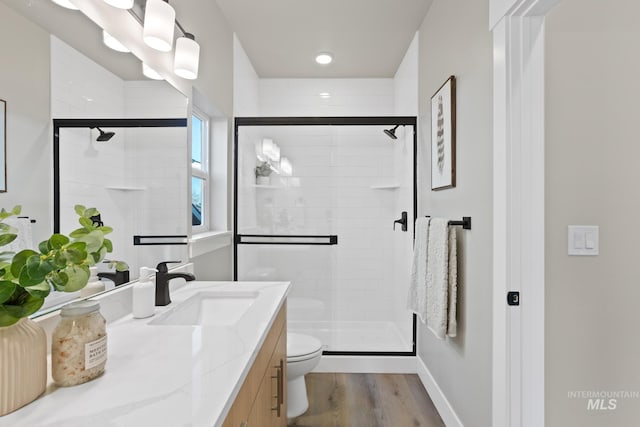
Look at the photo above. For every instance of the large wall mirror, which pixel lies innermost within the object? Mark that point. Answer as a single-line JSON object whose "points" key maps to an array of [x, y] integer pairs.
{"points": [[137, 177], [3, 146]]}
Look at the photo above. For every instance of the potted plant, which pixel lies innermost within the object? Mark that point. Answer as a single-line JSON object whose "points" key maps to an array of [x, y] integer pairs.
{"points": [[263, 170], [26, 278]]}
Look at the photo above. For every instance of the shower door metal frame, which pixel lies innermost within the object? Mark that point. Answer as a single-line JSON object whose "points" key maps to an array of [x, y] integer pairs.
{"points": [[328, 121], [88, 123]]}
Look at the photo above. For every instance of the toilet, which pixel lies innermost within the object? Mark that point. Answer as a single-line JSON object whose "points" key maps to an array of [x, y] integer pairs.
{"points": [[303, 354]]}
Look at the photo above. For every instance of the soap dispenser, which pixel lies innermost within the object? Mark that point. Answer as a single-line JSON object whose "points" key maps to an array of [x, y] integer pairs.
{"points": [[94, 285], [144, 294]]}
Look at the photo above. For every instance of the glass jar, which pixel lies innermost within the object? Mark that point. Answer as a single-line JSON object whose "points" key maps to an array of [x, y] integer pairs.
{"points": [[79, 344]]}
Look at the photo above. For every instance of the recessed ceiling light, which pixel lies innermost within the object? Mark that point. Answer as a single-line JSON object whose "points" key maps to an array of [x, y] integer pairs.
{"points": [[324, 58], [324, 95]]}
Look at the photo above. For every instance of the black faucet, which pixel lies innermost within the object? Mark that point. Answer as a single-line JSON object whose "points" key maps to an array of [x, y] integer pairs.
{"points": [[118, 277], [162, 281]]}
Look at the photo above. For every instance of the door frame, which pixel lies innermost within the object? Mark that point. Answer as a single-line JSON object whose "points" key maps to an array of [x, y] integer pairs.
{"points": [[411, 121], [518, 398]]}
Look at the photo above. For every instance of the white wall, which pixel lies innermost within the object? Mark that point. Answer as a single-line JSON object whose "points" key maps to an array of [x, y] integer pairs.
{"points": [[461, 44], [246, 83], [349, 97], [592, 177], [24, 84]]}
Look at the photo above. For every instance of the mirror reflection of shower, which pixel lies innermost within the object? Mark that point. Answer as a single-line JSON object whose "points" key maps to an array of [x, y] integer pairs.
{"points": [[104, 136]]}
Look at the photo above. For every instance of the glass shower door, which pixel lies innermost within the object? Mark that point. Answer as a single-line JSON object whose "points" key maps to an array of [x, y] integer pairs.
{"points": [[324, 221]]}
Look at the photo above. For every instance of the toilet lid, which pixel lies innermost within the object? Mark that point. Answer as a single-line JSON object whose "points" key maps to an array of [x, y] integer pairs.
{"points": [[301, 345]]}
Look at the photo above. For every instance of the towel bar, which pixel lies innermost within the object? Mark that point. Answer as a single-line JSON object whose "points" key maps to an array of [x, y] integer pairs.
{"points": [[465, 223], [32, 221]]}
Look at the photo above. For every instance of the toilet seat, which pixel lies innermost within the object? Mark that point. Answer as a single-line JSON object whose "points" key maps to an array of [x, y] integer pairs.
{"points": [[302, 347]]}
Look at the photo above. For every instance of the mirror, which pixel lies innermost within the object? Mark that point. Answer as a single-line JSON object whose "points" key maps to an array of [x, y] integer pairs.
{"points": [[3, 147], [138, 177]]}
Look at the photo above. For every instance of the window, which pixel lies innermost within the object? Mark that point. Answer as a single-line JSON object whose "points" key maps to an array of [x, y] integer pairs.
{"points": [[199, 171]]}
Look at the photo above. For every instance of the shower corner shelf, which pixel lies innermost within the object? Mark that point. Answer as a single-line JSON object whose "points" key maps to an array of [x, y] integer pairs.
{"points": [[125, 188], [385, 187]]}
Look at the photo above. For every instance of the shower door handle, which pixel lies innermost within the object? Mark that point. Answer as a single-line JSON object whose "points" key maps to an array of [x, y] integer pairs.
{"points": [[402, 221]]}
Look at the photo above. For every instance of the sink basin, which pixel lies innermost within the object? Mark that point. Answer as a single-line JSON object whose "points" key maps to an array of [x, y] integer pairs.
{"points": [[208, 308]]}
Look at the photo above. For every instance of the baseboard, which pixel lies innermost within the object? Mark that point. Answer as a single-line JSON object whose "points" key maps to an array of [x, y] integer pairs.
{"points": [[438, 398], [368, 364]]}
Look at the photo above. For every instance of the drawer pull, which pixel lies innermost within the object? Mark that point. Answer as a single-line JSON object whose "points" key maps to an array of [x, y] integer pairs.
{"points": [[280, 388]]}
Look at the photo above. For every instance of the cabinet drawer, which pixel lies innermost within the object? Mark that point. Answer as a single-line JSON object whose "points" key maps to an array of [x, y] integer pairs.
{"points": [[255, 395]]}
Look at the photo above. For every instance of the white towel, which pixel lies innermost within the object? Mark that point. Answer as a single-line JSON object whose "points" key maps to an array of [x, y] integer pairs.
{"points": [[452, 325], [417, 298], [22, 228], [438, 276]]}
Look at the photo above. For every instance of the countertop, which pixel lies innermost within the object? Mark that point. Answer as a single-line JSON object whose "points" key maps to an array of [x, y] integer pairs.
{"points": [[163, 375]]}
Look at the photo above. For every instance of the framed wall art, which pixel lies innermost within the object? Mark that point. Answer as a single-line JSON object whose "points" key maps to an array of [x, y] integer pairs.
{"points": [[443, 136]]}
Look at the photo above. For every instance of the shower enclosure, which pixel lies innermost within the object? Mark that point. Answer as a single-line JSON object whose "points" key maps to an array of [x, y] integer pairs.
{"points": [[319, 202]]}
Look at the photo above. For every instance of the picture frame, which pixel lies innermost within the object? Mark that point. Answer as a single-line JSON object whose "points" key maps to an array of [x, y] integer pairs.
{"points": [[443, 136]]}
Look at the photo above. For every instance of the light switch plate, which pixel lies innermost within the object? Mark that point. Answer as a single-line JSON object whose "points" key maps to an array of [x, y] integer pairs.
{"points": [[583, 240]]}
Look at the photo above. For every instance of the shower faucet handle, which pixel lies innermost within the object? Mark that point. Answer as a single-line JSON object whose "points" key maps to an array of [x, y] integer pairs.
{"points": [[402, 221]]}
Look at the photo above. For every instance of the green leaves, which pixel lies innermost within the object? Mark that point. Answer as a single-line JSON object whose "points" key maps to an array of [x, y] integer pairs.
{"points": [[15, 211], [5, 239], [20, 304], [20, 260], [6, 235], [62, 263], [7, 288]]}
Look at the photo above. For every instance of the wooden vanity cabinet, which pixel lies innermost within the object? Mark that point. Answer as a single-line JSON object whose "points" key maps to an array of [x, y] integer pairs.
{"points": [[262, 400]]}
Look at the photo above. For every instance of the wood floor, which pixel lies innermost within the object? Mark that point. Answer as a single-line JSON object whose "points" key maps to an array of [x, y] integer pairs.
{"points": [[367, 400]]}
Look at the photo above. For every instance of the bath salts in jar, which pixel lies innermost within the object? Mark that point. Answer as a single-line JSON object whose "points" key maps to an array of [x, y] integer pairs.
{"points": [[79, 344]]}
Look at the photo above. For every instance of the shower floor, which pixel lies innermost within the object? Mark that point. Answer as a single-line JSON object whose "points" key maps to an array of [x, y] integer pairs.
{"points": [[354, 336]]}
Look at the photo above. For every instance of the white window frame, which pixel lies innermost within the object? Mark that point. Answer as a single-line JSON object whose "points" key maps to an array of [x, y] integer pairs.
{"points": [[203, 172]]}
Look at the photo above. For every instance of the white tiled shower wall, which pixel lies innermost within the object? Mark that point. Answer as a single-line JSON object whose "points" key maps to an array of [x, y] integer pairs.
{"points": [[364, 277], [132, 158]]}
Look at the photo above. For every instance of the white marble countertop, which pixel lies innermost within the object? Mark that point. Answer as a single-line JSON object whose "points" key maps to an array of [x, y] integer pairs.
{"points": [[160, 375]]}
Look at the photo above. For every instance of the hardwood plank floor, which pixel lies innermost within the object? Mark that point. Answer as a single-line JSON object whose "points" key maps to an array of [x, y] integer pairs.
{"points": [[367, 400]]}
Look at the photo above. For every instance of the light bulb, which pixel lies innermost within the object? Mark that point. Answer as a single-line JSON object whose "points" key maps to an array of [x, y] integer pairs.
{"points": [[159, 22], [120, 4], [151, 73], [187, 57], [324, 58], [65, 3], [113, 43]]}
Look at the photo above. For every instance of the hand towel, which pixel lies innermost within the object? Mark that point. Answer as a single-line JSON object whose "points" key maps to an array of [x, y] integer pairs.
{"points": [[452, 325], [417, 298], [438, 276], [22, 227]]}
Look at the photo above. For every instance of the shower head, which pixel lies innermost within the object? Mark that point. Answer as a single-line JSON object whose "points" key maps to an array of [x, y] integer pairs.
{"points": [[104, 136], [391, 133]]}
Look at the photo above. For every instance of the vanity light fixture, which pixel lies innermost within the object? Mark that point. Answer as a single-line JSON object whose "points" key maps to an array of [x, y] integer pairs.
{"points": [[159, 19], [65, 3], [324, 58], [187, 56], [120, 4], [285, 166], [113, 43], [151, 73]]}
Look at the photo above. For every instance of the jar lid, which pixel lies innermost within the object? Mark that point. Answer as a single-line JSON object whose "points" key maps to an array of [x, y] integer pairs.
{"points": [[80, 308]]}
